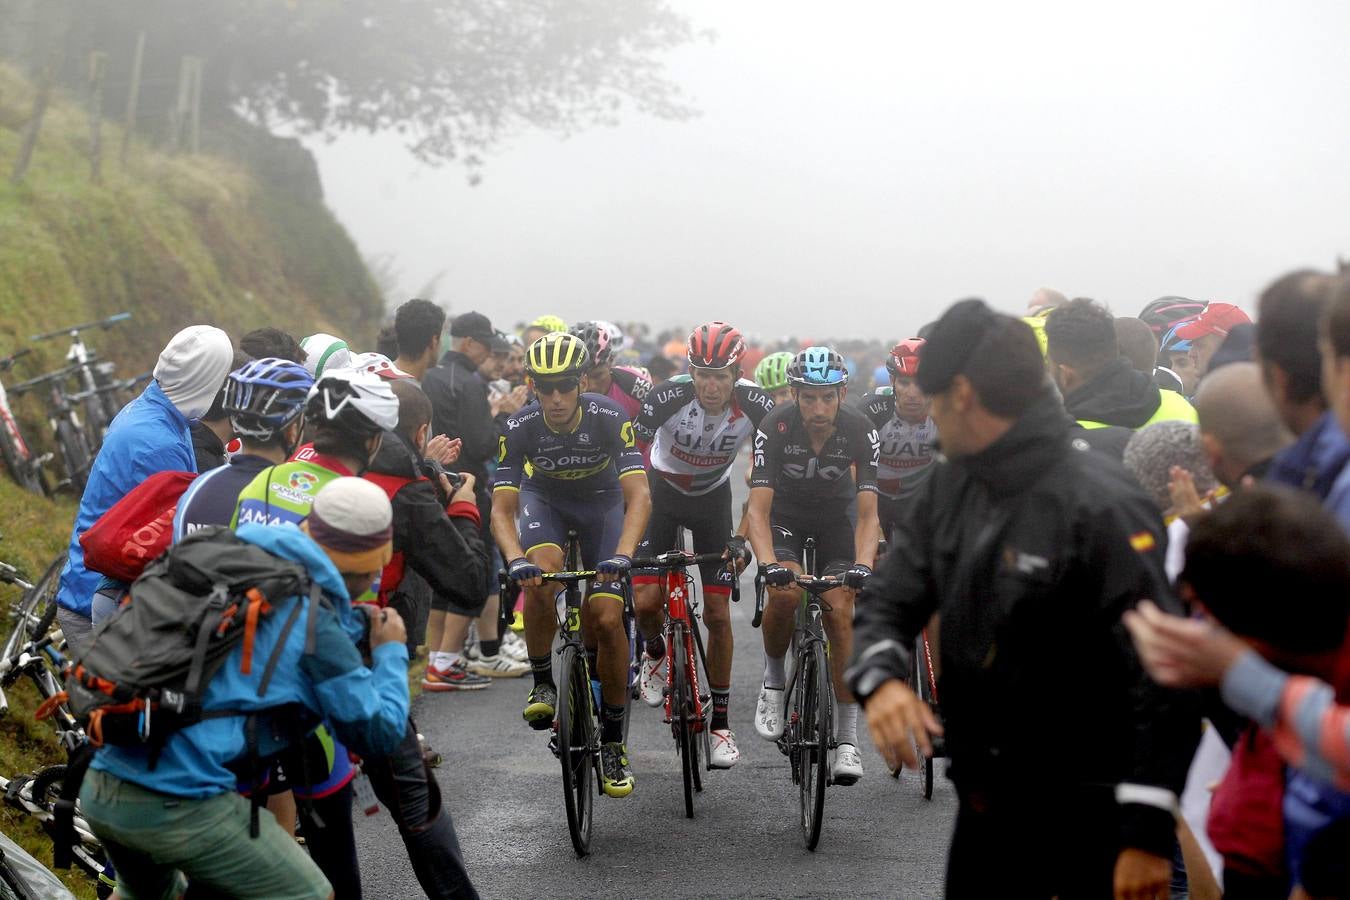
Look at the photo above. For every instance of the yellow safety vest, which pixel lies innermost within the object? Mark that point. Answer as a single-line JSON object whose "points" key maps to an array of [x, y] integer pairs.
{"points": [[1172, 407]]}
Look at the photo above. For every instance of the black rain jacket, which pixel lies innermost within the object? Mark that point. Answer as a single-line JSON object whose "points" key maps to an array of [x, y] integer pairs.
{"points": [[1031, 550]]}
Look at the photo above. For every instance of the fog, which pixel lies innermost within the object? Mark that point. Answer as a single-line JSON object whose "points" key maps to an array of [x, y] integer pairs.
{"points": [[857, 165]]}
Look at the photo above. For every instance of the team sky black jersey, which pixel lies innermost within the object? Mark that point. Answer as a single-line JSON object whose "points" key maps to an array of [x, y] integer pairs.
{"points": [[691, 449], [591, 457], [804, 481], [907, 453]]}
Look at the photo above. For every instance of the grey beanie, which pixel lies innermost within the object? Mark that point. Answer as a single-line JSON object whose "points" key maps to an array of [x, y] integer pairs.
{"points": [[193, 366], [1153, 451]]}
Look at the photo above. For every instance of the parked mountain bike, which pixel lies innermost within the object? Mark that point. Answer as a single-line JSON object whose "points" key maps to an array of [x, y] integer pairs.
{"points": [[809, 701], [687, 701], [68, 429], [98, 390], [36, 795], [24, 464]]}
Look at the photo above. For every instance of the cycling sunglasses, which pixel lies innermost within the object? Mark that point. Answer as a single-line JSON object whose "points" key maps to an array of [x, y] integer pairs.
{"points": [[556, 386]]}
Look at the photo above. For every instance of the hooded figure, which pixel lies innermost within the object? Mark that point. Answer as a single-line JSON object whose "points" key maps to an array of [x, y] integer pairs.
{"points": [[151, 434]]}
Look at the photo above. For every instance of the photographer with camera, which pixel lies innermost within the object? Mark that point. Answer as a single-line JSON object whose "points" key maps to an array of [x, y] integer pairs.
{"points": [[436, 535]]}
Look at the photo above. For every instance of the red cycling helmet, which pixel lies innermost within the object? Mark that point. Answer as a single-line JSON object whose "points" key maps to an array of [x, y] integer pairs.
{"points": [[903, 360], [715, 345]]}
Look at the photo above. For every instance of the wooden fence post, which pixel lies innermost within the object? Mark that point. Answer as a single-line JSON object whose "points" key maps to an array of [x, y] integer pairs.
{"points": [[133, 97], [34, 126], [97, 65]]}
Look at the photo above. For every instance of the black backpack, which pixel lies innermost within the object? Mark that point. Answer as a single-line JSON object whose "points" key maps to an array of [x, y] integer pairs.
{"points": [[148, 668]]}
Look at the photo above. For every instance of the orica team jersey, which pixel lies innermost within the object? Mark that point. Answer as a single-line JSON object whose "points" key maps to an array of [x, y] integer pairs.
{"points": [[805, 480], [907, 450], [691, 449], [592, 456]]}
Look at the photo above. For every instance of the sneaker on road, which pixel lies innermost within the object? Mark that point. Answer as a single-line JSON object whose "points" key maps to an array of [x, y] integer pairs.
{"points": [[541, 706], [847, 768], [651, 683], [498, 666], [724, 753], [769, 713], [616, 777], [454, 678], [513, 647]]}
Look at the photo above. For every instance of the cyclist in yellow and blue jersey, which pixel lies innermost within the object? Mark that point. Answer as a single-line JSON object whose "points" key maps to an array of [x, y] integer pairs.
{"points": [[584, 473]]}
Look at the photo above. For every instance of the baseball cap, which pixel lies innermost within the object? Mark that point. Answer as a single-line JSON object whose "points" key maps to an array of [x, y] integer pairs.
{"points": [[477, 326], [1218, 318], [952, 342]]}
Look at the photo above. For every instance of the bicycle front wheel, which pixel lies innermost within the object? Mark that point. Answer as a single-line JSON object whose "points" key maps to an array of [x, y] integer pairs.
{"points": [[21, 467], [75, 456], [923, 687], [814, 729], [682, 718], [576, 743]]}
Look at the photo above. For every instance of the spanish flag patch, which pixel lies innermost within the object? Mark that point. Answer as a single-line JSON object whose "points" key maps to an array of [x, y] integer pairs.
{"points": [[1142, 542]]}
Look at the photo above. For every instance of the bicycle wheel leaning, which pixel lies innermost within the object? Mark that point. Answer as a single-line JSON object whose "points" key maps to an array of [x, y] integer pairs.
{"points": [[814, 730], [75, 455], [576, 737], [18, 459]]}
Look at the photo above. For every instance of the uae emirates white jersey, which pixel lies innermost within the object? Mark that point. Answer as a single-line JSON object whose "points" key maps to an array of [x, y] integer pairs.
{"points": [[692, 450]]}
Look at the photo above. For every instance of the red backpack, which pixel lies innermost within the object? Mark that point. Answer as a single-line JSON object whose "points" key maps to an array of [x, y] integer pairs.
{"points": [[137, 528]]}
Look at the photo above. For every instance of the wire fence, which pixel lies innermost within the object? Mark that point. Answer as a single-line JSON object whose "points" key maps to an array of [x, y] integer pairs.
{"points": [[181, 122]]}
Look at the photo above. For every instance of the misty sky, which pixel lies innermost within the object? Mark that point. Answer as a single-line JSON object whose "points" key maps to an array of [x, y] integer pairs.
{"points": [[859, 165]]}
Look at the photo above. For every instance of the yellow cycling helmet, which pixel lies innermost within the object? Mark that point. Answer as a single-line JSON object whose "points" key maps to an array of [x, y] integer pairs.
{"points": [[548, 323], [557, 353]]}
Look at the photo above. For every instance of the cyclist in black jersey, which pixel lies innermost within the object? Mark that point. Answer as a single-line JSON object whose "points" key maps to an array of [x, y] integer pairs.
{"points": [[584, 475], [802, 486], [695, 429]]}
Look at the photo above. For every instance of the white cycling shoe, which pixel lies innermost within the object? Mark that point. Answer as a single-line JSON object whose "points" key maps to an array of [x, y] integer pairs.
{"points": [[847, 768], [769, 713], [651, 683], [723, 752]]}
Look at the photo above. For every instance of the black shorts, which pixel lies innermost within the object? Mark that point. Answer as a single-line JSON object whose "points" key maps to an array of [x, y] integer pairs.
{"points": [[833, 533], [708, 518]]}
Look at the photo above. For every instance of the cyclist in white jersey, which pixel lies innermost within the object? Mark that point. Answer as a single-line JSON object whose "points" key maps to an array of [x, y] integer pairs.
{"points": [[907, 433], [696, 427]]}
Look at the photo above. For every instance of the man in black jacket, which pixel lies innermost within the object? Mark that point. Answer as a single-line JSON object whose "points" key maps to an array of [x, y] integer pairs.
{"points": [[1067, 759], [459, 397]]}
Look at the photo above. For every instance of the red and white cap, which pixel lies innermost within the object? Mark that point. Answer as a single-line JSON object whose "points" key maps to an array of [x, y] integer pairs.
{"points": [[1218, 318]]}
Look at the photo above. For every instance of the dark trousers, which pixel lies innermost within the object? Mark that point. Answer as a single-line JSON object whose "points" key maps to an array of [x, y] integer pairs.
{"points": [[1033, 849]]}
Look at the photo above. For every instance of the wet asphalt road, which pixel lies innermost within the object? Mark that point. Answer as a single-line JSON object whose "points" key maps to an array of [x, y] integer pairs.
{"points": [[880, 838]]}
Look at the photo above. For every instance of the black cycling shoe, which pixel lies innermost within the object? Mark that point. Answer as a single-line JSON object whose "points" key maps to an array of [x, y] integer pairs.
{"points": [[616, 778], [541, 706]]}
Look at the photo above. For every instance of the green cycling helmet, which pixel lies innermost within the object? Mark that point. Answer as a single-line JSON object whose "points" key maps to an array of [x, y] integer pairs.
{"points": [[549, 324], [772, 371]]}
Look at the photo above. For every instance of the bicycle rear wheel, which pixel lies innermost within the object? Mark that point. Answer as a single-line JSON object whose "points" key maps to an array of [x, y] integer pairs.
{"points": [[75, 456], [43, 597], [923, 688], [576, 737], [814, 730]]}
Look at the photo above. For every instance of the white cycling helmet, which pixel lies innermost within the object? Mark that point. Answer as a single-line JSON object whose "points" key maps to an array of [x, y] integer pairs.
{"points": [[377, 364], [361, 402], [324, 352]]}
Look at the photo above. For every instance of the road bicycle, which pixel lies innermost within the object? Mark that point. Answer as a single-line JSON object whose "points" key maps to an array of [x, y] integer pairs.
{"points": [[576, 726], [25, 466], [36, 795], [809, 701], [687, 700], [98, 390]]}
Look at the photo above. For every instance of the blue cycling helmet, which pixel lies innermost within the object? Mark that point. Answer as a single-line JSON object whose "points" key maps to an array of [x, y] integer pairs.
{"points": [[818, 367], [265, 395]]}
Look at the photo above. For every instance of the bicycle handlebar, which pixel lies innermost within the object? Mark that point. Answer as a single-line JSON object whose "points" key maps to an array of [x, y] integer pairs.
{"points": [[33, 382], [819, 584], [83, 326], [8, 362]]}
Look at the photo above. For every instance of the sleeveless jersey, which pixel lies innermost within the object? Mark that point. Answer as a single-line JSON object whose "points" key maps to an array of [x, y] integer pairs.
{"points": [[907, 450], [691, 450]]}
